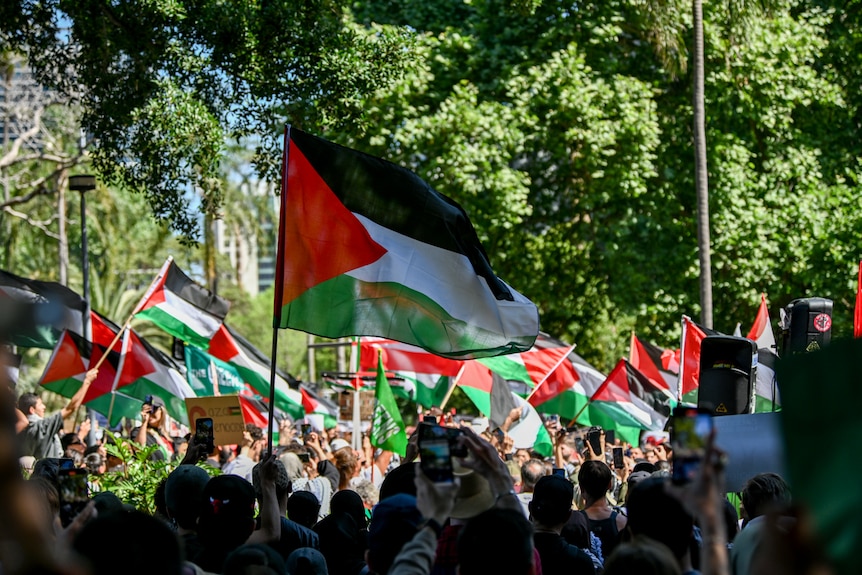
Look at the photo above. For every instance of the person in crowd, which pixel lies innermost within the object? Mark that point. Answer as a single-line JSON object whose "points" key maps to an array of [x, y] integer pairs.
{"points": [[293, 535], [348, 467], [183, 495], [307, 561], [152, 429], [254, 559], [642, 556], [566, 453], [343, 536], [248, 453], [40, 438], [762, 495], [305, 477], [595, 480], [226, 518], [370, 495], [550, 510], [531, 472], [394, 523], [303, 508]]}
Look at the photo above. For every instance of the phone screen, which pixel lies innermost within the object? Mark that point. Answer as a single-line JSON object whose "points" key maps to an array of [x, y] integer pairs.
{"points": [[204, 433], [690, 430], [595, 440], [74, 493], [306, 429], [560, 471], [304, 457], [618, 458], [453, 433], [435, 455], [610, 437]]}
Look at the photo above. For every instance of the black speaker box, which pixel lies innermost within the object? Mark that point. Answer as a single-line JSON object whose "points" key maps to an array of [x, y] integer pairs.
{"points": [[806, 325], [727, 375]]}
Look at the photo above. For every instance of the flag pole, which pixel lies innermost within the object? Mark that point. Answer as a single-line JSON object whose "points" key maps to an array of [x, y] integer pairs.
{"points": [[356, 436], [278, 293], [453, 386], [552, 370], [114, 387]]}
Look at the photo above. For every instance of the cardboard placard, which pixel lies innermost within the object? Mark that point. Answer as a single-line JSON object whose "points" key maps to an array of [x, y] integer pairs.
{"points": [[225, 412], [366, 405]]}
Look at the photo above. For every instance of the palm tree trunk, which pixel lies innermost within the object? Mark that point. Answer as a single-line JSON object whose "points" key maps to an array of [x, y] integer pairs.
{"points": [[701, 179]]}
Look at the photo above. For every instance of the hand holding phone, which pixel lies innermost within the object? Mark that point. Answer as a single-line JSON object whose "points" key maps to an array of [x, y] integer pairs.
{"points": [[690, 431], [435, 454], [594, 438], [74, 493], [619, 463], [204, 433]]}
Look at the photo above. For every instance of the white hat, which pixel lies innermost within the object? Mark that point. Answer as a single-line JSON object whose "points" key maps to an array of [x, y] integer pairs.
{"points": [[337, 444]]}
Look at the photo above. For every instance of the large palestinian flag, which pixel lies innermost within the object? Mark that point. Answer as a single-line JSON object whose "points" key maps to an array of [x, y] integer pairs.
{"points": [[689, 363], [766, 389], [660, 366], [254, 367], [368, 248], [34, 313], [181, 307]]}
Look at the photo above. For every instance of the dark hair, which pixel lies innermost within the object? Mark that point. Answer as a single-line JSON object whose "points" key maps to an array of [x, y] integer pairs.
{"points": [[283, 486], [643, 556], [47, 491], [656, 514], [259, 556], [496, 529], [26, 401], [531, 472], [303, 508], [140, 543], [594, 478], [93, 462], [255, 431], [763, 493]]}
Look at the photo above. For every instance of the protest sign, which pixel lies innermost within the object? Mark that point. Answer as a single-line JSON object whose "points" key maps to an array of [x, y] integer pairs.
{"points": [[225, 412]]}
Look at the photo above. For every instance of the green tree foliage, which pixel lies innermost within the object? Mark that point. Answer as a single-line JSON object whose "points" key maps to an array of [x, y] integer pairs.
{"points": [[566, 135], [162, 84]]}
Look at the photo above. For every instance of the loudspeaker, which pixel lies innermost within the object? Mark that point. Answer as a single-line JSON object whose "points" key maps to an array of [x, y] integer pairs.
{"points": [[806, 325], [728, 369]]}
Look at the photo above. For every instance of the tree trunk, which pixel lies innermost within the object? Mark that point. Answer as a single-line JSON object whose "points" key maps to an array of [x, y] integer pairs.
{"points": [[701, 179]]}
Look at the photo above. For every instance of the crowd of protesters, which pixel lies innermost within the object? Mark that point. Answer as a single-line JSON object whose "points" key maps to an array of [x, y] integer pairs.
{"points": [[318, 506]]}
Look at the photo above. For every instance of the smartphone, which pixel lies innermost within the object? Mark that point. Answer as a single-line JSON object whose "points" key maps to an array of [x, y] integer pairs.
{"points": [[690, 430], [610, 437], [560, 471], [74, 493], [453, 433], [65, 463], [204, 433], [580, 446], [435, 454], [304, 457], [306, 429], [429, 419], [500, 435], [594, 437], [618, 458]]}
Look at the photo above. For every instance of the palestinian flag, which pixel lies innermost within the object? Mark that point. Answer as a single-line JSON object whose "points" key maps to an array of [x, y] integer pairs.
{"points": [[766, 396], [73, 356], [761, 331], [529, 432], [629, 398], [143, 371], [181, 307], [254, 367], [660, 366], [368, 248], [321, 415], [689, 370], [254, 412], [366, 381], [535, 369], [428, 374], [35, 313]]}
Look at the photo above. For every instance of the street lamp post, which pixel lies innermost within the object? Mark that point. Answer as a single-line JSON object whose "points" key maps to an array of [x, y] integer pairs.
{"points": [[83, 184]]}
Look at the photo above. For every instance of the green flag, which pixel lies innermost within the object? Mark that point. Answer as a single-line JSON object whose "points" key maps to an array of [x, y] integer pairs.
{"points": [[387, 427], [206, 374]]}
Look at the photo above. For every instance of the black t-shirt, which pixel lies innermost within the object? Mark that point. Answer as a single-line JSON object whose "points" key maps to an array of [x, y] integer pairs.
{"points": [[561, 558]]}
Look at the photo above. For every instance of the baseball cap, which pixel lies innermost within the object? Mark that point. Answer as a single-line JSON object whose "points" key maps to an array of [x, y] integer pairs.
{"points": [[552, 499], [337, 444]]}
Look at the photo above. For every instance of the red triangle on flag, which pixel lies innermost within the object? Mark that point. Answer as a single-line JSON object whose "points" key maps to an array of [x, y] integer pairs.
{"points": [[66, 362], [616, 387], [322, 237], [640, 358], [761, 322], [308, 402]]}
